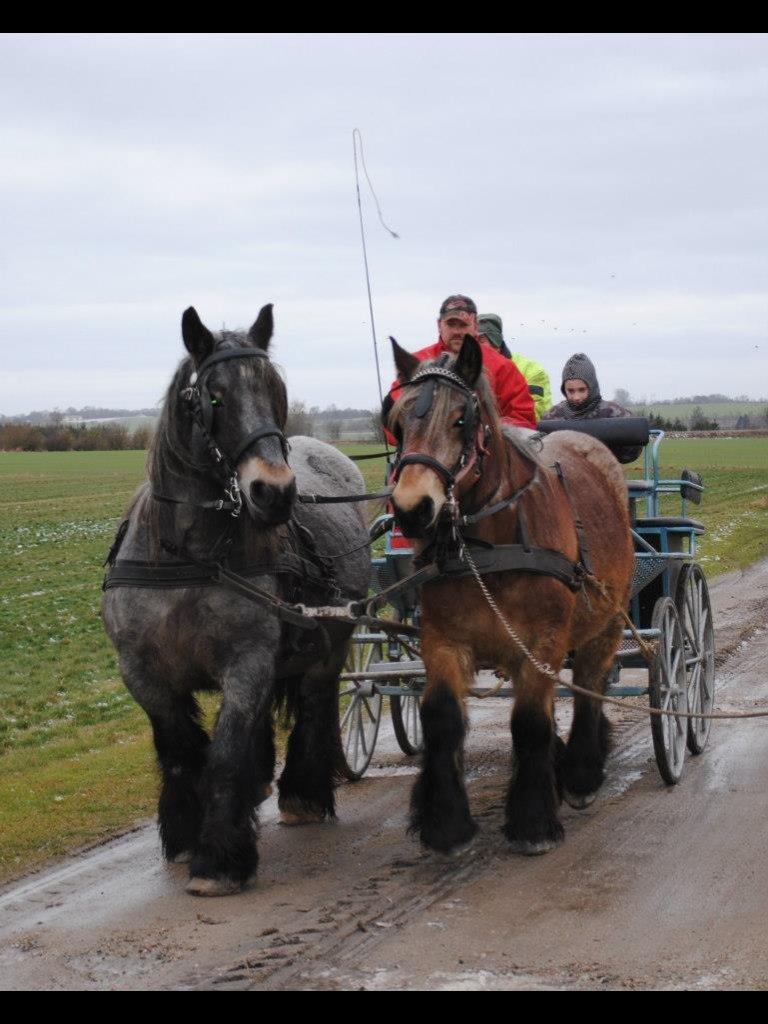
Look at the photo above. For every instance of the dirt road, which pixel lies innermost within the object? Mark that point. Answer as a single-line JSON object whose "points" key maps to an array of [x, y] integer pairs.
{"points": [[653, 887]]}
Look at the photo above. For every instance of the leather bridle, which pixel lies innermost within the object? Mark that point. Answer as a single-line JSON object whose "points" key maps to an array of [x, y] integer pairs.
{"points": [[200, 403], [475, 433]]}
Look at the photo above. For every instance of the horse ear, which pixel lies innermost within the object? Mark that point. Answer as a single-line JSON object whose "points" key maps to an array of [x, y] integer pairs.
{"points": [[405, 362], [261, 331], [197, 338], [469, 364]]}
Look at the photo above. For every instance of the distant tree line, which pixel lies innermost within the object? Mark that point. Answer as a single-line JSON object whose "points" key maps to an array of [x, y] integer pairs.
{"points": [[657, 422], [698, 418], [705, 399], [332, 413], [25, 437], [697, 421], [333, 424], [45, 417], [57, 436], [623, 396], [49, 431]]}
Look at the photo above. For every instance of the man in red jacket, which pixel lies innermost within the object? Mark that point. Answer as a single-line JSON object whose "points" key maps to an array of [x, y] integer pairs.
{"points": [[458, 316]]}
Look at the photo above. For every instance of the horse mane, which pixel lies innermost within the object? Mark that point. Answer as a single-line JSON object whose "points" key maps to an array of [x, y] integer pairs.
{"points": [[172, 458]]}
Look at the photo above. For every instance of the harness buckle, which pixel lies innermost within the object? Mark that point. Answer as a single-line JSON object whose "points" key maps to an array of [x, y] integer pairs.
{"points": [[452, 507], [234, 494]]}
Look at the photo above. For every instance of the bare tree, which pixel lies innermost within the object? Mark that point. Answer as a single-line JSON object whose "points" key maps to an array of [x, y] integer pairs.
{"points": [[141, 437], [699, 421], [333, 429], [376, 427], [299, 421]]}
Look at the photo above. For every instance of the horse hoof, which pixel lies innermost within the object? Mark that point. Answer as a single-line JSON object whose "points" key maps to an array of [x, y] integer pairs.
{"points": [[214, 886], [579, 800], [301, 817], [529, 849], [294, 812]]}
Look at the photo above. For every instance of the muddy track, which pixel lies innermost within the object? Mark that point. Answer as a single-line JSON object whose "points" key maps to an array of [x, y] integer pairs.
{"points": [[653, 887]]}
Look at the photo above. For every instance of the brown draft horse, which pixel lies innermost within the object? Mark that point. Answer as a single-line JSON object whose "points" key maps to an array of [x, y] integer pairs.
{"points": [[452, 439]]}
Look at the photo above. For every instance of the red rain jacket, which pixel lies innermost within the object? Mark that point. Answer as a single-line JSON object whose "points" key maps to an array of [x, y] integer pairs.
{"points": [[508, 384]]}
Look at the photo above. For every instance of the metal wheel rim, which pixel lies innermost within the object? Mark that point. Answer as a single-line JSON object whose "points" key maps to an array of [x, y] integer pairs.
{"points": [[405, 708], [412, 721], [359, 714], [698, 634], [668, 690], [406, 717]]}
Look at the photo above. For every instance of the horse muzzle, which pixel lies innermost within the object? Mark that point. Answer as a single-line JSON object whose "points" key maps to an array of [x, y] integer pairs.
{"points": [[269, 491], [417, 521]]}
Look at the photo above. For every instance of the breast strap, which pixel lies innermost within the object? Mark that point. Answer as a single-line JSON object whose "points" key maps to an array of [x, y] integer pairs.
{"points": [[126, 572], [517, 558]]}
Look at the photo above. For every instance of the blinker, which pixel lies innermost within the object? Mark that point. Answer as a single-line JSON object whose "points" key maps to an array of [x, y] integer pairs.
{"points": [[424, 401]]}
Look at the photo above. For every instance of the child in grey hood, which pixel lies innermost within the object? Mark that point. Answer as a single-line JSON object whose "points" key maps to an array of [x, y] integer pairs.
{"points": [[583, 401]]}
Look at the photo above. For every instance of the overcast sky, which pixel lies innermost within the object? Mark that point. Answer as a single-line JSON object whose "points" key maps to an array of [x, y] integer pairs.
{"points": [[606, 194]]}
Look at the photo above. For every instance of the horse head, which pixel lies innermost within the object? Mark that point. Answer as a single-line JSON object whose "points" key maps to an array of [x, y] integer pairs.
{"points": [[238, 407], [443, 420]]}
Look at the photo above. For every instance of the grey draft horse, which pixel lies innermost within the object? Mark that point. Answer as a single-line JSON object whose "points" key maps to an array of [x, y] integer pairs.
{"points": [[177, 630]]}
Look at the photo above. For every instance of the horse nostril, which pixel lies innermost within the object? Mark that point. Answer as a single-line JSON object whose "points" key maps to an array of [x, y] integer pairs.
{"points": [[259, 492], [415, 521], [274, 503], [425, 510]]}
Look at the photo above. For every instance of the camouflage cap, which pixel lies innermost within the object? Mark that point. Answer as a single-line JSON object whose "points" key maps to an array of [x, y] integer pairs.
{"points": [[459, 303]]}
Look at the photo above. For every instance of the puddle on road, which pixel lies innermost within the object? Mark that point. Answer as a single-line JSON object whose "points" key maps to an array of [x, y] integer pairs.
{"points": [[391, 771], [385, 979]]}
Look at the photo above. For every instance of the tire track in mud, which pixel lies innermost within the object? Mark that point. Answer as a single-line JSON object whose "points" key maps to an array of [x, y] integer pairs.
{"points": [[347, 931], [350, 929], [362, 921], [332, 899]]}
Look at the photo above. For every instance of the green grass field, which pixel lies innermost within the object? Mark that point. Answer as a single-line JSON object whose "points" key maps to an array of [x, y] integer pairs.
{"points": [[712, 410], [734, 507], [76, 763]]}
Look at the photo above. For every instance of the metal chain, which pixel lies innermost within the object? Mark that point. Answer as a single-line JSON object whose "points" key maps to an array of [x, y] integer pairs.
{"points": [[547, 670], [646, 649], [541, 666]]}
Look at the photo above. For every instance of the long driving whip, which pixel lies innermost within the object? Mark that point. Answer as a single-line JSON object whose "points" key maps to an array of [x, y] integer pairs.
{"points": [[357, 139]]}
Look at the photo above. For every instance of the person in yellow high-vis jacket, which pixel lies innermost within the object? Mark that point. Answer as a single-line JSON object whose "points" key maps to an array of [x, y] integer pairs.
{"points": [[537, 378]]}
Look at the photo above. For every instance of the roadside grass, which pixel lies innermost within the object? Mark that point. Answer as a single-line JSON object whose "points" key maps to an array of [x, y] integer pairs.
{"points": [[76, 759], [734, 505], [73, 791]]}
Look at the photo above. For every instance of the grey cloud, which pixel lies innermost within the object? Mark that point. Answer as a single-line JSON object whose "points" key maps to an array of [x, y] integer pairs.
{"points": [[591, 181]]}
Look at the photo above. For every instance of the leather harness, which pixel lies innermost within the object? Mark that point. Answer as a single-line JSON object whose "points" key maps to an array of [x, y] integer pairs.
{"points": [[441, 560]]}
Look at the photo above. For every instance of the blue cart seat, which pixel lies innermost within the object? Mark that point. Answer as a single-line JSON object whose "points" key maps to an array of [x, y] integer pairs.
{"points": [[670, 523]]}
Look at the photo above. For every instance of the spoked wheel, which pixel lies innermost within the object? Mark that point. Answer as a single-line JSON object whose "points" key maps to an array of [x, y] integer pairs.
{"points": [[406, 714], [406, 721], [359, 706], [695, 611], [668, 691]]}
